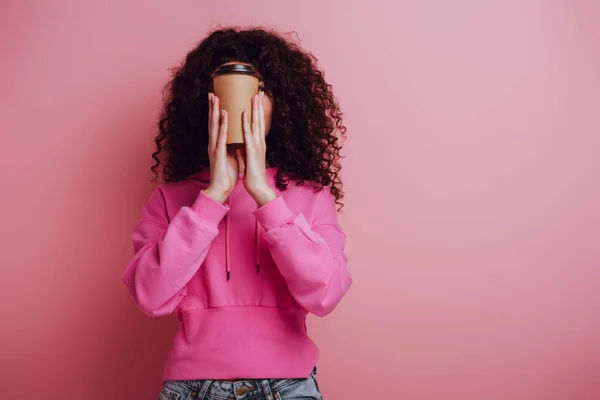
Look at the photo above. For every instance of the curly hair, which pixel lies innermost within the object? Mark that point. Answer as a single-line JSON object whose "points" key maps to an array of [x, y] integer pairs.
{"points": [[304, 141]]}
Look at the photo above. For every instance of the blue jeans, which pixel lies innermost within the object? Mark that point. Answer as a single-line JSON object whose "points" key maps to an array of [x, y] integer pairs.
{"points": [[265, 389]]}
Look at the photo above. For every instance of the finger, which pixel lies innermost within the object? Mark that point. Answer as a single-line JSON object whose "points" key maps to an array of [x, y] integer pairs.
{"points": [[255, 117], [262, 115], [247, 128], [216, 118], [212, 138], [222, 137]]}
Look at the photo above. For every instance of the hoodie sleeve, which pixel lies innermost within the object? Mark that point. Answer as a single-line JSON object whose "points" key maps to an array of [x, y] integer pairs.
{"points": [[310, 256], [167, 255]]}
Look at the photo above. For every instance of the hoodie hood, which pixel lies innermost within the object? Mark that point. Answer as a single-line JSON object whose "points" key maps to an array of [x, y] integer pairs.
{"points": [[204, 177]]}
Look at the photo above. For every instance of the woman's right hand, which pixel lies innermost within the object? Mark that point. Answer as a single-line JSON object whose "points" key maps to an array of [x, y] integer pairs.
{"points": [[224, 168]]}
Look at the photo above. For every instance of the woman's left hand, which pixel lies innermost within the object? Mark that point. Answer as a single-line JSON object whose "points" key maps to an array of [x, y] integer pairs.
{"points": [[255, 174]]}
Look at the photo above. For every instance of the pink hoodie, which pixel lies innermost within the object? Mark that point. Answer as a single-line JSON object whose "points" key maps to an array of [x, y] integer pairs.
{"points": [[240, 279]]}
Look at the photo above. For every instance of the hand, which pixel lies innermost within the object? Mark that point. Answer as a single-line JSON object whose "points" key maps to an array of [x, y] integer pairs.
{"points": [[224, 168], [255, 174]]}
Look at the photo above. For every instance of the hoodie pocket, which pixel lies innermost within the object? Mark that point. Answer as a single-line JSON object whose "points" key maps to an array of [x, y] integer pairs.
{"points": [[168, 394], [292, 389]]}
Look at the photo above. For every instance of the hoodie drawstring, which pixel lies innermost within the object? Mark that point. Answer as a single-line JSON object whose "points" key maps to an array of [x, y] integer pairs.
{"points": [[228, 244], [227, 256], [257, 245]]}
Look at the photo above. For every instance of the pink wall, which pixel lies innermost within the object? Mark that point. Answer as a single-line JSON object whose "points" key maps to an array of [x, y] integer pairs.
{"points": [[472, 174]]}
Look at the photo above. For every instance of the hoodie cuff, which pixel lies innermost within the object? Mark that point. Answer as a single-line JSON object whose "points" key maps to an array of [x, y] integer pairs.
{"points": [[208, 209], [274, 214]]}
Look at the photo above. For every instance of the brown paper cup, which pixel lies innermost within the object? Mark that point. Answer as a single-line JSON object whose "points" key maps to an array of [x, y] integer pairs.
{"points": [[235, 93]]}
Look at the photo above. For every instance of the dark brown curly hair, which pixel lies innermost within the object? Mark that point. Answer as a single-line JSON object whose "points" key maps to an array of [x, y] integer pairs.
{"points": [[304, 141]]}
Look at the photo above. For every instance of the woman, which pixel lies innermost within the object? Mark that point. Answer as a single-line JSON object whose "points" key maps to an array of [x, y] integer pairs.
{"points": [[241, 246]]}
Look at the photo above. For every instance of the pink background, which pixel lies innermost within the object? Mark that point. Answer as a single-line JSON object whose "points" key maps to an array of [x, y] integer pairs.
{"points": [[472, 178]]}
